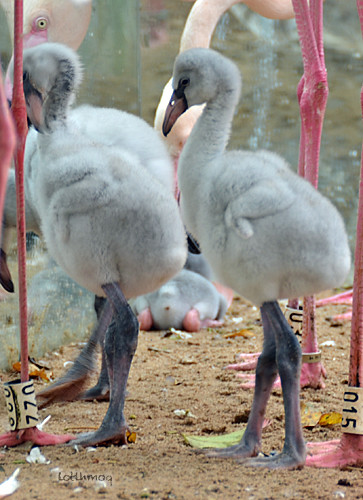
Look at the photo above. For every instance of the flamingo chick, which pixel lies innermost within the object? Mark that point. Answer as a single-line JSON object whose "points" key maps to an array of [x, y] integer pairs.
{"points": [[106, 221], [265, 231], [187, 302]]}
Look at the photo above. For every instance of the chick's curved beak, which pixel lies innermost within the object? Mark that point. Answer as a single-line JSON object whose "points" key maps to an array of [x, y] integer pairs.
{"points": [[177, 106]]}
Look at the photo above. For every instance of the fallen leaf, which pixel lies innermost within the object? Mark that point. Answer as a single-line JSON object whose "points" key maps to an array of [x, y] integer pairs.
{"points": [[131, 437], [17, 366], [39, 374], [240, 333], [213, 441], [34, 371], [309, 415], [331, 418]]}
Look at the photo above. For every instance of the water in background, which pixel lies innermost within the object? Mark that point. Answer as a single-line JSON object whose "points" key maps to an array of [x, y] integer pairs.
{"points": [[128, 56]]}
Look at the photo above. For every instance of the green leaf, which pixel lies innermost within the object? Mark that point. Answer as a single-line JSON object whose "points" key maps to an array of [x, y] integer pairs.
{"points": [[214, 441]]}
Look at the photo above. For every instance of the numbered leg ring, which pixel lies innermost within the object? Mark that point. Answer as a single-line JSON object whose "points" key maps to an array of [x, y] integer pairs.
{"points": [[21, 404]]}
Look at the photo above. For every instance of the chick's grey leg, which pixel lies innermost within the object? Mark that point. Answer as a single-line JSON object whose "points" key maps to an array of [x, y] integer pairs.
{"points": [[266, 372], [120, 346], [288, 358], [101, 391], [68, 387]]}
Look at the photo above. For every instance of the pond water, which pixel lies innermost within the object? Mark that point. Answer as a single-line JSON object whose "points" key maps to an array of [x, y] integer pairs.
{"points": [[128, 55]]}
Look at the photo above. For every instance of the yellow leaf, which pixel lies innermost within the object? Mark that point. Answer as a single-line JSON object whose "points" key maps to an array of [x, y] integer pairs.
{"points": [[39, 373], [309, 415], [331, 418], [240, 333], [213, 441], [17, 366], [34, 371], [131, 437]]}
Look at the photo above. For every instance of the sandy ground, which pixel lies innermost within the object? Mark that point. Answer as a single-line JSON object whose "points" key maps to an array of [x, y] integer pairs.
{"points": [[171, 374]]}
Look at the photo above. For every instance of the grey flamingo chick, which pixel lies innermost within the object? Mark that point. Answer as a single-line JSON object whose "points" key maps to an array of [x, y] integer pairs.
{"points": [[187, 302], [119, 130], [265, 231], [106, 221]]}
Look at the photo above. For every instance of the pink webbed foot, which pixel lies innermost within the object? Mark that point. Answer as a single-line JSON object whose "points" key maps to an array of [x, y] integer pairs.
{"points": [[33, 435], [348, 451], [248, 362], [340, 298], [312, 375], [343, 317], [344, 298], [193, 323], [145, 320], [249, 381]]}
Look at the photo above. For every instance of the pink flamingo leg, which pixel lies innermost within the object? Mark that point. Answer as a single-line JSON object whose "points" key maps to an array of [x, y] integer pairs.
{"points": [[312, 95], [349, 449], [19, 112]]}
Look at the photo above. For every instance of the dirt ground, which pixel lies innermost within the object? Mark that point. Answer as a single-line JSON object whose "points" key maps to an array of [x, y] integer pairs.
{"points": [[171, 374]]}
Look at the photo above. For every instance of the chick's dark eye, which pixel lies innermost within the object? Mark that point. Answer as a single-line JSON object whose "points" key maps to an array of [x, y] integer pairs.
{"points": [[25, 76], [184, 82]]}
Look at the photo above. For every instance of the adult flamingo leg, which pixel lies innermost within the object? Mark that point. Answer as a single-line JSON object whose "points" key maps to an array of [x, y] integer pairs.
{"points": [[349, 449], [32, 434], [312, 94]]}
